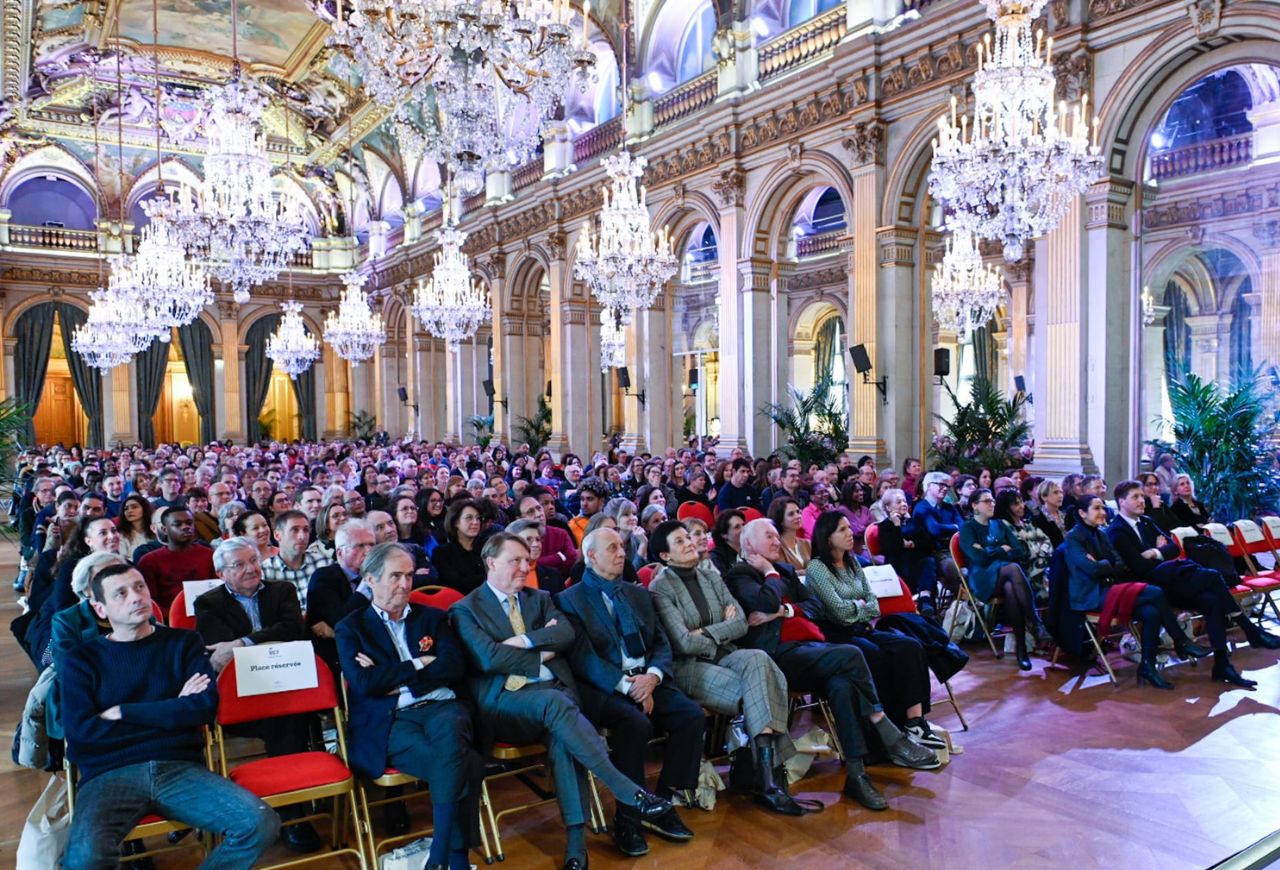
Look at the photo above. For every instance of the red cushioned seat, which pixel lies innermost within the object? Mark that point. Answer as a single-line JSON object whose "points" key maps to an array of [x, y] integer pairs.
{"points": [[1260, 583], [286, 773], [1241, 590], [150, 819]]}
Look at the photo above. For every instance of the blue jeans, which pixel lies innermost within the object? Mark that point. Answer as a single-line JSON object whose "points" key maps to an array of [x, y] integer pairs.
{"points": [[109, 806]]}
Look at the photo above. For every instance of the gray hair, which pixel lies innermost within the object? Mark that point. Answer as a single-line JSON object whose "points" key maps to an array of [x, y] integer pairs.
{"points": [[222, 555], [375, 561], [521, 526], [891, 495], [591, 543], [936, 477], [342, 537], [90, 565], [619, 507], [224, 514], [753, 530], [651, 511]]}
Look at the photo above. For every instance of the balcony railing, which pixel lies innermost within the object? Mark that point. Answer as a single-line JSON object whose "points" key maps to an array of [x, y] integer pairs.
{"points": [[597, 140], [527, 173], [685, 100], [1203, 157], [55, 238], [802, 43], [822, 243]]}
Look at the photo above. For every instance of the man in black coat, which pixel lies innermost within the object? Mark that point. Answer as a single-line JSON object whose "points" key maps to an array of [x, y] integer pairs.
{"points": [[516, 640], [405, 668], [782, 616], [626, 679], [335, 590], [246, 611], [1151, 555]]}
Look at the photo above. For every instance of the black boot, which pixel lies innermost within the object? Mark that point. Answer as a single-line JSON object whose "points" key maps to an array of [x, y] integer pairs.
{"points": [[1147, 672], [1258, 638], [1225, 672], [767, 790]]}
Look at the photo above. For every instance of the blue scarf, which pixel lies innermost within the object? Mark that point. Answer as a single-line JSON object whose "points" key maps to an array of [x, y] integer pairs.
{"points": [[623, 614]]}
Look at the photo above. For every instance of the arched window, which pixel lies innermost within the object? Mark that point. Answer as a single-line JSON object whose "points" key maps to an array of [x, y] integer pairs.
{"points": [[701, 256], [53, 202], [695, 55], [801, 11], [1216, 107]]}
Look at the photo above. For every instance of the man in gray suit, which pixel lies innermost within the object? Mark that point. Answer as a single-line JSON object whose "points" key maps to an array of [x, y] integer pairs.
{"points": [[517, 642]]}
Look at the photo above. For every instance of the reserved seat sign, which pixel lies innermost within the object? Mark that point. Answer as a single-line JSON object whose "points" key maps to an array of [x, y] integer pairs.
{"points": [[275, 667]]}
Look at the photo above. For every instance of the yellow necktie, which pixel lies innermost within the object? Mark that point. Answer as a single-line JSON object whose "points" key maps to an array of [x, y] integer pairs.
{"points": [[515, 681]]}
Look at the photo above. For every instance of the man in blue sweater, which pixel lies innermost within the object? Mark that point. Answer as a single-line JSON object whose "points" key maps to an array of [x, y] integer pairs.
{"points": [[133, 705]]}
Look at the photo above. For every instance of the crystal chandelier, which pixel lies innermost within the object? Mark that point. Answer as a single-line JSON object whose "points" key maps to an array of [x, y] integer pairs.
{"points": [[291, 347], [966, 291], [450, 304], [625, 264], [109, 336], [484, 74], [354, 330], [1011, 173], [613, 340], [173, 287]]}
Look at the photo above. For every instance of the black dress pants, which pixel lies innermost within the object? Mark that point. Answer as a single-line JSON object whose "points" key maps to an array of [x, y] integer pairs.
{"points": [[839, 674], [631, 730], [898, 666], [1186, 584]]}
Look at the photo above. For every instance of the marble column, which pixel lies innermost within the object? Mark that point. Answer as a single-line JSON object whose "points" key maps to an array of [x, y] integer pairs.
{"points": [[230, 398], [570, 354], [657, 375], [863, 248], [1266, 340], [735, 413], [512, 382], [1152, 373], [756, 342], [896, 352]]}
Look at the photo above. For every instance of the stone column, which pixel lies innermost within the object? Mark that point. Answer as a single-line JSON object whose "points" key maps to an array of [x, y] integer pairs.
{"points": [[780, 350], [557, 149], [1207, 332], [497, 188], [119, 398], [1267, 328], [6, 216], [1061, 424], [896, 352], [9, 382], [567, 314], [737, 61], [1018, 277], [432, 396], [1109, 303], [1152, 351], [230, 398], [756, 342], [654, 363], [378, 241], [514, 370], [736, 412]]}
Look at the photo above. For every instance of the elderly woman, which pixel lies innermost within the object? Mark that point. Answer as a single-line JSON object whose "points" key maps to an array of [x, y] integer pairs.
{"points": [[907, 547], [897, 661], [651, 517], [227, 515], [702, 621], [819, 503]]}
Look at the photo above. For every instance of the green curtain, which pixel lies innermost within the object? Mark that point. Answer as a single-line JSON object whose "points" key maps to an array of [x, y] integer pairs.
{"points": [[1177, 335], [150, 366], [304, 390], [34, 334], [257, 372], [1241, 337], [85, 378], [825, 347], [197, 352]]}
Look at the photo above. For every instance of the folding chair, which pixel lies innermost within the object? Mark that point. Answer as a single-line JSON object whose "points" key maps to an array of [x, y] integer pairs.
{"points": [[1090, 623], [151, 825], [966, 593], [520, 762], [1249, 541], [798, 702], [439, 597], [300, 777], [178, 613], [1180, 536], [905, 604]]}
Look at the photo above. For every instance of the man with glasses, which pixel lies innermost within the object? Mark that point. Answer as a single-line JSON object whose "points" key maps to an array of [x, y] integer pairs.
{"points": [[246, 611], [938, 518], [558, 552], [170, 490]]}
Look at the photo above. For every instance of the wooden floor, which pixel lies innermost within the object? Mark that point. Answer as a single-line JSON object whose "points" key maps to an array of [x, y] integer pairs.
{"points": [[1054, 774]]}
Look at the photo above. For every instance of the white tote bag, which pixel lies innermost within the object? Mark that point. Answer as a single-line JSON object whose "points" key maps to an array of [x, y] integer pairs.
{"points": [[48, 827]]}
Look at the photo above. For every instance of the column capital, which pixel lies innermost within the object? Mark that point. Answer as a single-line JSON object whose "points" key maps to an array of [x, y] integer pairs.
{"points": [[897, 246], [865, 143], [731, 187], [1106, 201], [755, 274], [556, 244], [573, 314]]}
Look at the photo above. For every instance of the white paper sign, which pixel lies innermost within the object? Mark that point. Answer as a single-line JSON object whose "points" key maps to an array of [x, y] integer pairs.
{"points": [[883, 580], [193, 589], [275, 667]]}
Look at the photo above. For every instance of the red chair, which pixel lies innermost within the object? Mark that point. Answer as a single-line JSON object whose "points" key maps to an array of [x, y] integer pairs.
{"points": [[300, 777], [178, 613], [646, 575], [871, 537], [749, 514], [962, 565], [439, 597], [695, 510], [904, 603], [156, 612]]}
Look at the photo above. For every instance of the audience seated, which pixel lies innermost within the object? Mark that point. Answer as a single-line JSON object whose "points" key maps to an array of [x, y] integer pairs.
{"points": [[181, 559], [908, 547]]}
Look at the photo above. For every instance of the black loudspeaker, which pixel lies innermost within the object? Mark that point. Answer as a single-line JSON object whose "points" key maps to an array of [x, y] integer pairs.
{"points": [[1020, 383], [548, 389], [861, 362], [488, 389], [693, 377], [624, 378], [941, 362], [402, 393]]}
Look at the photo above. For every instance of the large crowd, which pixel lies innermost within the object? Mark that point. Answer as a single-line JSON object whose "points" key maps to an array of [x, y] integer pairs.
{"points": [[622, 595]]}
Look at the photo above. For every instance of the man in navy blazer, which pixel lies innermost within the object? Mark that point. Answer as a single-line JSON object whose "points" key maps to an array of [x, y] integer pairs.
{"points": [[404, 667], [939, 520], [335, 590], [623, 663], [1151, 555]]}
